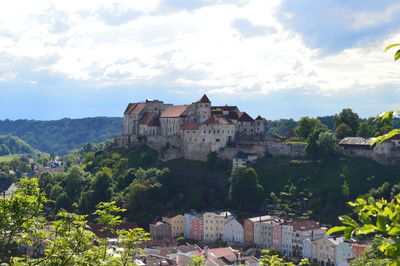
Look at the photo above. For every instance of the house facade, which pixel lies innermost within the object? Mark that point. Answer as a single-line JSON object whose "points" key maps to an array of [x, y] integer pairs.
{"points": [[330, 251], [213, 225], [177, 223], [233, 231]]}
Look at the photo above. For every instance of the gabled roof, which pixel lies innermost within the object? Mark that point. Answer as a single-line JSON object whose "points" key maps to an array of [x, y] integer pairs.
{"points": [[300, 225], [134, 108], [147, 118], [259, 118], [174, 111], [218, 119], [130, 107], [204, 99], [244, 117]]}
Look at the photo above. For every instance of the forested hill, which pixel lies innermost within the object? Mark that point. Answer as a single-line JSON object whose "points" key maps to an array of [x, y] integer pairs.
{"points": [[64, 135], [14, 145]]}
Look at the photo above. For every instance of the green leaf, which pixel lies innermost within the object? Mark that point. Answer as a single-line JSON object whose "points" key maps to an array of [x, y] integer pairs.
{"points": [[364, 218], [381, 223], [366, 229], [336, 229], [348, 221], [397, 55], [395, 231], [347, 232], [391, 46]]}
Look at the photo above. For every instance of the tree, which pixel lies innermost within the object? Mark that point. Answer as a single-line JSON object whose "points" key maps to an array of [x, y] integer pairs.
{"points": [[308, 125], [367, 128], [348, 117], [245, 192], [197, 261], [343, 130], [4, 150], [270, 259], [321, 145]]}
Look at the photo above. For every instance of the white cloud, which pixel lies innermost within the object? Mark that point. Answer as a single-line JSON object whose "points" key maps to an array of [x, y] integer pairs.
{"points": [[368, 19], [192, 48]]}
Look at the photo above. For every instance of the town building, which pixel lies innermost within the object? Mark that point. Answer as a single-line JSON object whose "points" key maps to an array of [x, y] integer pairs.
{"points": [[330, 251], [304, 229], [160, 231], [177, 223], [249, 226], [233, 231], [213, 225]]}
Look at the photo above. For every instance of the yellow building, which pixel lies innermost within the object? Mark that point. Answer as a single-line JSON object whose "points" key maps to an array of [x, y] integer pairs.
{"points": [[177, 224]]}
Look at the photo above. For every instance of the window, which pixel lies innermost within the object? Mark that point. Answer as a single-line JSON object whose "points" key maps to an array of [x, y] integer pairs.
{"points": [[217, 140]]}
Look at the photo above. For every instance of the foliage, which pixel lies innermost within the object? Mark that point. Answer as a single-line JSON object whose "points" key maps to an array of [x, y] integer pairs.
{"points": [[13, 145], [375, 216], [197, 261], [348, 117], [372, 255], [307, 125], [280, 127], [64, 135], [270, 259], [343, 130], [397, 54], [245, 192], [321, 145], [65, 240]]}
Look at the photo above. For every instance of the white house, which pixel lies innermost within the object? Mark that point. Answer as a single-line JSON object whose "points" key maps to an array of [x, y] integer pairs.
{"points": [[233, 231], [332, 251]]}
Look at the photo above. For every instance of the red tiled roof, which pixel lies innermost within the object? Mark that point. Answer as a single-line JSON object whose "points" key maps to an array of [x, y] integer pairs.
{"points": [[244, 117], [192, 126], [134, 108], [204, 99], [150, 119], [218, 119], [174, 111], [130, 107], [299, 225]]}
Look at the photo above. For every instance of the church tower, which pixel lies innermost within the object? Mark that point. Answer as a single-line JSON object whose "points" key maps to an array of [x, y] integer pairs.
{"points": [[203, 109]]}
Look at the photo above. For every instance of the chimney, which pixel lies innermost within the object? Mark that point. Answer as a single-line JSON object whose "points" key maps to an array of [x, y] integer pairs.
{"points": [[206, 252]]}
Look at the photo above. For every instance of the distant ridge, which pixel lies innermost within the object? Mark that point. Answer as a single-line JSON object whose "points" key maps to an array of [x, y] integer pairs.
{"points": [[63, 135]]}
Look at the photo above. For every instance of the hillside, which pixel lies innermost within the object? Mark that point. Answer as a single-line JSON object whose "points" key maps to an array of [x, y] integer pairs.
{"points": [[64, 135], [13, 145]]}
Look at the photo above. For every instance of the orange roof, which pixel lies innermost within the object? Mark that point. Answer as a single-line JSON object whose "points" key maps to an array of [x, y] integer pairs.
{"points": [[174, 111], [192, 126], [149, 119], [130, 107]]}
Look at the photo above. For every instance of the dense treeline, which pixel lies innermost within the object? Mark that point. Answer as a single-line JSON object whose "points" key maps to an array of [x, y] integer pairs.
{"points": [[64, 135], [13, 145]]}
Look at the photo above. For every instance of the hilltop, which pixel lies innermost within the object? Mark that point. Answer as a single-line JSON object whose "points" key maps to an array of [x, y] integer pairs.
{"points": [[64, 135]]}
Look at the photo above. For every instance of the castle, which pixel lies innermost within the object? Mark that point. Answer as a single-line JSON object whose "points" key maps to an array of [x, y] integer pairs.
{"points": [[192, 131]]}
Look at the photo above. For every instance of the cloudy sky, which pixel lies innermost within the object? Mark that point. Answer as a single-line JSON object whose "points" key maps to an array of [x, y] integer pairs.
{"points": [[277, 58]]}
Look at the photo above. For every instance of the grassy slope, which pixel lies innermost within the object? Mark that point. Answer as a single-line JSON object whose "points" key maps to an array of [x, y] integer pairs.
{"points": [[320, 178], [7, 158]]}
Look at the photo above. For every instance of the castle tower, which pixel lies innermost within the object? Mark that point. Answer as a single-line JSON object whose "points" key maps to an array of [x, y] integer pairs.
{"points": [[203, 109]]}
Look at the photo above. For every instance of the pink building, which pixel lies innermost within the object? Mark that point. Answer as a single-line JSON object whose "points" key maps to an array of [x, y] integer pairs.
{"points": [[276, 236], [196, 227]]}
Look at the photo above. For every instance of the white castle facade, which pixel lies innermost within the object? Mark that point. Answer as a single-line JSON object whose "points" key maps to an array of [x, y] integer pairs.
{"points": [[192, 131]]}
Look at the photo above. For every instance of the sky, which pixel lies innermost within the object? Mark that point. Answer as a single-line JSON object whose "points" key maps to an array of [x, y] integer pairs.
{"points": [[276, 58]]}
